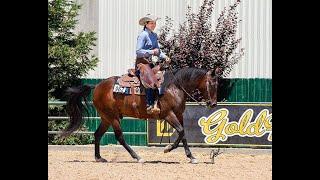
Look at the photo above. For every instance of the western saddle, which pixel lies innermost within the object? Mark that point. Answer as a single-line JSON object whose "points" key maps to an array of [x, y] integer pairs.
{"points": [[132, 82], [129, 80]]}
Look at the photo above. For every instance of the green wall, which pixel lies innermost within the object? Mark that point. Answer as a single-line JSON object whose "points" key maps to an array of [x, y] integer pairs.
{"points": [[246, 90]]}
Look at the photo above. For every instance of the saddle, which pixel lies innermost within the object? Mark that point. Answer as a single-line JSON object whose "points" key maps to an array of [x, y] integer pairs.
{"points": [[130, 84], [129, 80]]}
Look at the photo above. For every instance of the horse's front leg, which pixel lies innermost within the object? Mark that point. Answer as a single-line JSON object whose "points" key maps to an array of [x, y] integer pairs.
{"points": [[172, 119], [185, 144], [170, 147]]}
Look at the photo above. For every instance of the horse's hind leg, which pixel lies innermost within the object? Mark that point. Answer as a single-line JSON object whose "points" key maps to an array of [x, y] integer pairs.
{"points": [[119, 136], [103, 127]]}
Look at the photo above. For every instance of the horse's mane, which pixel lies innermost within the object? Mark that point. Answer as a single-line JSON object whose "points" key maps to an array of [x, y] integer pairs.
{"points": [[182, 76]]}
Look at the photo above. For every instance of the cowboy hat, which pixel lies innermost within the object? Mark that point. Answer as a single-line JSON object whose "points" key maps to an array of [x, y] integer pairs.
{"points": [[143, 21]]}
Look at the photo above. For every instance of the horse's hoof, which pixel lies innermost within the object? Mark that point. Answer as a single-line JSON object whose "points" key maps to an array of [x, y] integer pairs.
{"points": [[194, 161], [101, 160], [141, 160], [167, 148]]}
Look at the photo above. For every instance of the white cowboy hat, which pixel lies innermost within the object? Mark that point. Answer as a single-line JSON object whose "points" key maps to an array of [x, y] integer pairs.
{"points": [[143, 21]]}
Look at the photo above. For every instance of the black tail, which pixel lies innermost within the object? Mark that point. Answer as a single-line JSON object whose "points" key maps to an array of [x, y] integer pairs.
{"points": [[75, 107]]}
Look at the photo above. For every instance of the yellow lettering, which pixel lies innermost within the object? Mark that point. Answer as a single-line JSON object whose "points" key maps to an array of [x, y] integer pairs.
{"points": [[232, 128], [244, 119], [213, 138], [213, 119], [161, 128], [218, 118], [268, 126], [222, 129], [259, 122], [249, 129], [267, 123], [270, 137]]}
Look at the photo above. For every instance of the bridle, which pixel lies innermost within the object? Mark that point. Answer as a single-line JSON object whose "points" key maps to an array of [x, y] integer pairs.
{"points": [[208, 89]]}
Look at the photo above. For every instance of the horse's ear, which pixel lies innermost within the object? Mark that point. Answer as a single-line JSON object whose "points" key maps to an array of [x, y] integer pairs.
{"points": [[218, 71]]}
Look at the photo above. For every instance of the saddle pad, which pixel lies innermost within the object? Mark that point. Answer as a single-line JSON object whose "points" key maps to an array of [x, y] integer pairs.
{"points": [[128, 90]]}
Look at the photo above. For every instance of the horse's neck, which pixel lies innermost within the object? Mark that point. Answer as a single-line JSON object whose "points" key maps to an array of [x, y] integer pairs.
{"points": [[187, 85]]}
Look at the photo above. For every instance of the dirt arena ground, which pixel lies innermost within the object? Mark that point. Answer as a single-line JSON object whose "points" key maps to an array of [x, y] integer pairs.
{"points": [[77, 162]]}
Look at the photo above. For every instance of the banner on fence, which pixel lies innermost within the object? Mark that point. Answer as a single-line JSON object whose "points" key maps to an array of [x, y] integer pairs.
{"points": [[226, 124]]}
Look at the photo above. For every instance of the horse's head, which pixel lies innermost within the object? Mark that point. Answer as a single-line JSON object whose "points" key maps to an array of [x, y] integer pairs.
{"points": [[147, 76], [209, 86]]}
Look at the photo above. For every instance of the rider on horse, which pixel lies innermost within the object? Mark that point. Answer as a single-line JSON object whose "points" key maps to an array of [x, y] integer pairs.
{"points": [[148, 49]]}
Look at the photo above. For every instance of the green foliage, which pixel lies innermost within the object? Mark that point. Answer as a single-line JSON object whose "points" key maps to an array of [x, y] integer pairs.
{"points": [[59, 125], [69, 56], [74, 139]]}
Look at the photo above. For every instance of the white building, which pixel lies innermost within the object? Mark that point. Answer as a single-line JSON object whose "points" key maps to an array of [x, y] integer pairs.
{"points": [[116, 24]]}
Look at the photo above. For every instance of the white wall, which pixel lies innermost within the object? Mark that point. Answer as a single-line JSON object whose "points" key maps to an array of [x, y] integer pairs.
{"points": [[118, 29]]}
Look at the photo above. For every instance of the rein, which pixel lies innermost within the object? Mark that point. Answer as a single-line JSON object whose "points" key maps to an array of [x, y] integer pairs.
{"points": [[186, 91]]}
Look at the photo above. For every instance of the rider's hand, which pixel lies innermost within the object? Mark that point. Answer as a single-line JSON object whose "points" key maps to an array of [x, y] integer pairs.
{"points": [[155, 51]]}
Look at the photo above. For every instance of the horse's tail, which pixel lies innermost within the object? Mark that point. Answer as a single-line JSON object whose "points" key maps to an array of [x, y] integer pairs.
{"points": [[75, 107]]}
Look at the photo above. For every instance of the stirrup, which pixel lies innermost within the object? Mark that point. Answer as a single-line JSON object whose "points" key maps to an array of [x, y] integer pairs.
{"points": [[149, 109], [153, 110]]}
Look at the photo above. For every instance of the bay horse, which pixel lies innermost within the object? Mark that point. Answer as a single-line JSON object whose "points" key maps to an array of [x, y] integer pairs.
{"points": [[113, 106]]}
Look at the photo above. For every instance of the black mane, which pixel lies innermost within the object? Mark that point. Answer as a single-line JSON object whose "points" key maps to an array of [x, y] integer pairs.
{"points": [[184, 77]]}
